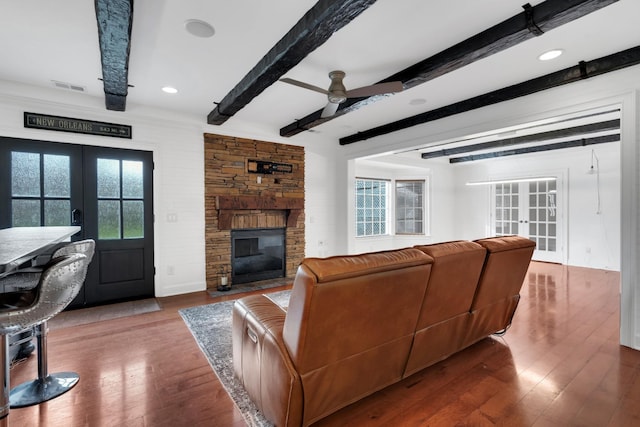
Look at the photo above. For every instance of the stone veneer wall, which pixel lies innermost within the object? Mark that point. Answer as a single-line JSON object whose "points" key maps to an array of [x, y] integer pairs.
{"points": [[226, 174]]}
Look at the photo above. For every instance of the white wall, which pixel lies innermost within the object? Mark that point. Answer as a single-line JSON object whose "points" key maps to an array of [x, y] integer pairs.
{"points": [[178, 152], [591, 235], [439, 206]]}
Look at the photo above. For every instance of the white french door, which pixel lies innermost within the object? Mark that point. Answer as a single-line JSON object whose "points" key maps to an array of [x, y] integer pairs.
{"points": [[530, 209]]}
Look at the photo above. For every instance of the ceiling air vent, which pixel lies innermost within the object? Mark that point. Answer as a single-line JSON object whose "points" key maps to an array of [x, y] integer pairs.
{"points": [[68, 86]]}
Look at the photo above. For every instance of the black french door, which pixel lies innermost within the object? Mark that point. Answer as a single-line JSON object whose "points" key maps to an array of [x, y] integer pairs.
{"points": [[107, 191]]}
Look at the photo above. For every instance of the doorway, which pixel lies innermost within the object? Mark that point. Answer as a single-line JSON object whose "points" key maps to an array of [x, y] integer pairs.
{"points": [[530, 208], [106, 191]]}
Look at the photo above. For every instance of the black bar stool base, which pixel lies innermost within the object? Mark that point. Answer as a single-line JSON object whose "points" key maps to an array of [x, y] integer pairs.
{"points": [[38, 391]]}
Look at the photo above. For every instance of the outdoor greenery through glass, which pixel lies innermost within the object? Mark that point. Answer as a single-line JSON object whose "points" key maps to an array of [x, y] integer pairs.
{"points": [[120, 199]]}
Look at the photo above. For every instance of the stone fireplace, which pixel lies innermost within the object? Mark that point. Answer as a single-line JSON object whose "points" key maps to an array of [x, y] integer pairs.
{"points": [[241, 199]]}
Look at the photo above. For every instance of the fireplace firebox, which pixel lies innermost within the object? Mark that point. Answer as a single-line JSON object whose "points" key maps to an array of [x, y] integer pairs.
{"points": [[257, 254]]}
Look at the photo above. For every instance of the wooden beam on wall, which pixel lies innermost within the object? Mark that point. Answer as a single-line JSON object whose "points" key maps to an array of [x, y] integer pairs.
{"points": [[582, 142], [583, 70], [538, 137], [521, 27], [316, 26], [115, 18]]}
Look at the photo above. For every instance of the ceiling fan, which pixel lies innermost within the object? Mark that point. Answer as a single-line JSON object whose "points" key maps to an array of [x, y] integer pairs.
{"points": [[337, 93]]}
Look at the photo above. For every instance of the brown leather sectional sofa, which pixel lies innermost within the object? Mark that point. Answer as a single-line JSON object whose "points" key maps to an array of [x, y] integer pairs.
{"points": [[356, 324]]}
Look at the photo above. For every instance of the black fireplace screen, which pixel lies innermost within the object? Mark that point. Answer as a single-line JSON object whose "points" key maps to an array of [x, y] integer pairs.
{"points": [[257, 254]]}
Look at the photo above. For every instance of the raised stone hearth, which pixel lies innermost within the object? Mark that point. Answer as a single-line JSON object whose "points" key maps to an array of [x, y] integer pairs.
{"points": [[238, 198]]}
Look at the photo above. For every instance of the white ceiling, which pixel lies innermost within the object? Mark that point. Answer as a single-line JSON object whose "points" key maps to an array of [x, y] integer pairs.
{"points": [[43, 41]]}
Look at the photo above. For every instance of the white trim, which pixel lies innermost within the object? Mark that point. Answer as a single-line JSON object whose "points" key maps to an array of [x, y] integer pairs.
{"points": [[629, 211]]}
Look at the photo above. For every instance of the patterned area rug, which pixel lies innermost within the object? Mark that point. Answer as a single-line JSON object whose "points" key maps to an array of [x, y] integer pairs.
{"points": [[104, 312], [211, 327]]}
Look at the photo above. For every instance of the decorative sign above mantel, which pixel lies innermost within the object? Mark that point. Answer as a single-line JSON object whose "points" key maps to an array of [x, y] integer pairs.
{"points": [[261, 166], [66, 124]]}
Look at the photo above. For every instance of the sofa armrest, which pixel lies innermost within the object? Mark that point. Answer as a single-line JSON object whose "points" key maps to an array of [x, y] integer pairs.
{"points": [[261, 361]]}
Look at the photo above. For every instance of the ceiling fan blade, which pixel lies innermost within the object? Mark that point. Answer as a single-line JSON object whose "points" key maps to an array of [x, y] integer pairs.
{"points": [[329, 110], [377, 89], [304, 85]]}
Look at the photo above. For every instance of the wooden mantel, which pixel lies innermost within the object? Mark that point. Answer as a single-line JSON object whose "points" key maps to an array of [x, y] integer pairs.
{"points": [[227, 205]]}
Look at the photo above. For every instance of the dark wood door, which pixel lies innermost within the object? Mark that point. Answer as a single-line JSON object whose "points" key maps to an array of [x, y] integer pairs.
{"points": [[107, 191], [119, 217]]}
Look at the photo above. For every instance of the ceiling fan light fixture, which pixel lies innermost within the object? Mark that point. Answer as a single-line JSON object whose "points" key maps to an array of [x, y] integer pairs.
{"points": [[199, 28], [337, 93], [550, 54]]}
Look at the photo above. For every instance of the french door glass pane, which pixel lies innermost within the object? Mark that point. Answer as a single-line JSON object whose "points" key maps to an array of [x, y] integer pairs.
{"points": [[56, 212], [25, 213], [25, 174], [108, 178], [120, 194], [132, 180], [133, 219], [40, 189], [57, 179], [507, 208], [542, 214], [108, 219]]}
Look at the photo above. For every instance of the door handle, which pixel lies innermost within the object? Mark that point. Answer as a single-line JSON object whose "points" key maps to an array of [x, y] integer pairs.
{"points": [[76, 217]]}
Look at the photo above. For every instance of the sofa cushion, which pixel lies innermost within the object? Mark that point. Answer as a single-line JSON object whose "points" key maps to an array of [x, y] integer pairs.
{"points": [[444, 314], [452, 283], [350, 324], [505, 268]]}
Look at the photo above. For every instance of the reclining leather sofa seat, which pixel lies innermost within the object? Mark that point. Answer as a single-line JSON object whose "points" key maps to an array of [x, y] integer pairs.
{"points": [[445, 311], [356, 324], [347, 333], [498, 291]]}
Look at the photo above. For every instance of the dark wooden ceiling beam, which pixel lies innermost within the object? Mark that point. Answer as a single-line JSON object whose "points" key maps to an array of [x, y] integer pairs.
{"points": [[583, 70], [526, 139], [521, 27], [115, 18], [582, 142], [316, 26]]}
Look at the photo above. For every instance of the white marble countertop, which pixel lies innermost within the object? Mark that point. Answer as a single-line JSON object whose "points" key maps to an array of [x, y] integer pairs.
{"points": [[18, 244]]}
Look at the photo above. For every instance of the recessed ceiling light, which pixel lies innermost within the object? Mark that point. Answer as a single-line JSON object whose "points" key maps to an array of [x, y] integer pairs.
{"points": [[169, 89], [551, 54], [199, 28]]}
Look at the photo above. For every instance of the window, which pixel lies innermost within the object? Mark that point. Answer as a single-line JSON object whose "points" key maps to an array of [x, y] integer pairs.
{"points": [[120, 199], [371, 207], [40, 189], [410, 207]]}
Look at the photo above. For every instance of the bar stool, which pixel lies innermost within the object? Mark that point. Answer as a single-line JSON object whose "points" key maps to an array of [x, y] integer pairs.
{"points": [[48, 386], [58, 286]]}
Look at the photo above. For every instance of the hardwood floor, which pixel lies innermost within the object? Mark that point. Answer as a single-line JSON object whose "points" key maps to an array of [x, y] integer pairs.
{"points": [[560, 364]]}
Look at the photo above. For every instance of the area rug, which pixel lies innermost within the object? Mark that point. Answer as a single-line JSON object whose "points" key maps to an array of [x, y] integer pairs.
{"points": [[211, 327], [84, 316]]}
